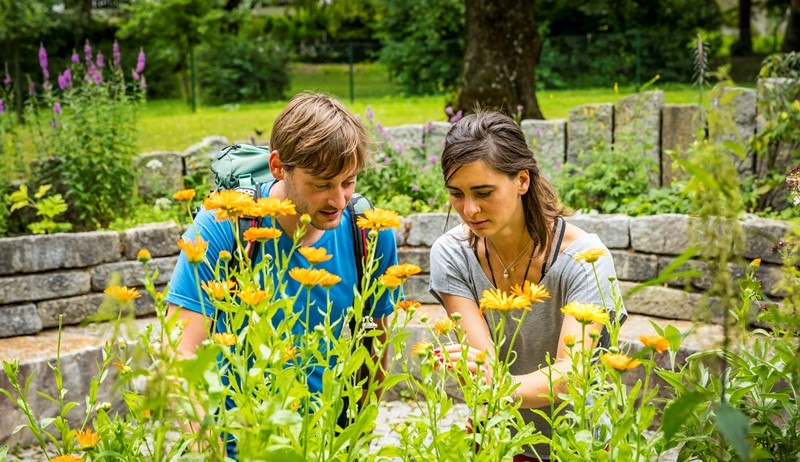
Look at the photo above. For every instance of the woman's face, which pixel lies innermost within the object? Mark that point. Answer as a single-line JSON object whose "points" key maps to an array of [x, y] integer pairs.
{"points": [[485, 199]]}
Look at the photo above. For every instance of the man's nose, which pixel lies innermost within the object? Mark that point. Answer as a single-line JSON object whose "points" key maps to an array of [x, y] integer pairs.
{"points": [[338, 198]]}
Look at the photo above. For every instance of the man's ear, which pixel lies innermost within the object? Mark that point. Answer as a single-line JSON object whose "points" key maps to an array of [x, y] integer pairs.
{"points": [[276, 166]]}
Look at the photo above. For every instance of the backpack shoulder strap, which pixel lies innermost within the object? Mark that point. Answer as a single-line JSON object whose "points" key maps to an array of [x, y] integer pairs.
{"points": [[246, 223]]}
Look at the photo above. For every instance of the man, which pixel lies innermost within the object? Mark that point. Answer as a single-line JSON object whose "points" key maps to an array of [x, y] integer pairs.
{"points": [[318, 148]]}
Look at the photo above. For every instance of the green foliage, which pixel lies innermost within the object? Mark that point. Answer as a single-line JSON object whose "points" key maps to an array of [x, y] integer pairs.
{"points": [[423, 43], [657, 200], [604, 180], [85, 135], [239, 71], [20, 21], [142, 213], [781, 65], [47, 208]]}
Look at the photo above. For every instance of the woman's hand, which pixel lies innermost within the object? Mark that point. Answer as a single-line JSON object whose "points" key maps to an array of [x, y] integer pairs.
{"points": [[476, 360]]}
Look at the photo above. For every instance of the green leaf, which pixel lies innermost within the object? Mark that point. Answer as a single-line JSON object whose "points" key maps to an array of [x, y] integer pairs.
{"points": [[676, 413], [42, 191], [734, 426]]}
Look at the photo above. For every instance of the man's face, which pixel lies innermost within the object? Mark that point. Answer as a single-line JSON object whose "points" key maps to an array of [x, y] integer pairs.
{"points": [[324, 199]]}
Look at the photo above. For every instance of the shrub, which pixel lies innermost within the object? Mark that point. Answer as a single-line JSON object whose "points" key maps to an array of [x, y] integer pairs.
{"points": [[240, 70], [85, 131]]}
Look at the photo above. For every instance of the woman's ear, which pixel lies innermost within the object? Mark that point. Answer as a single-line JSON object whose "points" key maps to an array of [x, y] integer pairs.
{"points": [[276, 166], [523, 181]]}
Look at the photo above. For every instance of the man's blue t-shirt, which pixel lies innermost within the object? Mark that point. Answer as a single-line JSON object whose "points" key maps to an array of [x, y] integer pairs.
{"points": [[183, 289]]}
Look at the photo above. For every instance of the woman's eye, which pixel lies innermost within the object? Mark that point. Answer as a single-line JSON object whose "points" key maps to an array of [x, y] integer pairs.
{"points": [[456, 195], [484, 195]]}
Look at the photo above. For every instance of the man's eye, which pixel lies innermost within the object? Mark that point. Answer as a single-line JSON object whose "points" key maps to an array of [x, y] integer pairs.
{"points": [[348, 184], [321, 186]]}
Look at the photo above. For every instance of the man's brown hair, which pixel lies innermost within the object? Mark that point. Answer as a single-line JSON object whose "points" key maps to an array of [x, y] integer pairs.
{"points": [[319, 134]]}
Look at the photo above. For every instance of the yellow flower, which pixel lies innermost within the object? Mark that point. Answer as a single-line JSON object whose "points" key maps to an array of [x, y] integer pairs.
{"points": [[756, 262], [480, 358], [123, 368], [496, 299], [66, 458], [379, 219], [421, 348], [253, 296], [408, 305], [315, 254], [314, 277], [184, 195], [616, 88], [195, 251], [226, 339], [586, 313], [590, 255], [143, 256], [87, 439], [271, 207], [229, 204], [261, 234], [784, 115], [444, 326], [390, 281], [569, 340], [619, 361], [534, 292], [122, 294], [289, 352], [403, 271], [659, 343], [146, 413], [218, 290]]}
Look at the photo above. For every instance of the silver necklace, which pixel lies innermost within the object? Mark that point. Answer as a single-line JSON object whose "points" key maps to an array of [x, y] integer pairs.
{"points": [[508, 269]]}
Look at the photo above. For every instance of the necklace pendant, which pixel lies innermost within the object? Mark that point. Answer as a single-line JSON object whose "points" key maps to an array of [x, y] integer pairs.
{"points": [[505, 274]]}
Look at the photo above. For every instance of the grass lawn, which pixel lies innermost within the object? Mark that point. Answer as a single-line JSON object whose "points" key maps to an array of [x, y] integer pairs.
{"points": [[170, 124]]}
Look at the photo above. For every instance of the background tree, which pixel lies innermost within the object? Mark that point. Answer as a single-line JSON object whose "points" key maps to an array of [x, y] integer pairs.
{"points": [[501, 50], [791, 40], [744, 44]]}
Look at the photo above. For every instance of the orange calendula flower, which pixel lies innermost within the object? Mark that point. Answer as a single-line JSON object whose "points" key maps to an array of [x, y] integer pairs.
{"points": [[309, 277], [66, 458], [195, 251], [146, 413], [124, 368], [480, 358], [657, 342], [444, 326], [496, 299], [253, 296], [569, 340], [379, 219], [143, 256], [408, 305], [403, 271], [756, 262], [184, 195], [229, 204], [87, 439], [122, 294], [619, 361], [261, 234], [315, 254], [586, 313], [224, 339], [590, 255], [271, 207], [218, 290], [390, 281], [534, 292], [289, 352], [421, 348]]}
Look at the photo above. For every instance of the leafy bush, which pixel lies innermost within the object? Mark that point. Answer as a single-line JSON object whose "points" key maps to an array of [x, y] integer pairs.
{"points": [[423, 43], [240, 70], [85, 134], [47, 209], [658, 200]]}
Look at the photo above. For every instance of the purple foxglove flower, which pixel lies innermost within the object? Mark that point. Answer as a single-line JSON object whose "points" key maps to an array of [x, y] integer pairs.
{"points": [[87, 52], [431, 202], [68, 77], [520, 107], [61, 84], [31, 88], [369, 114], [101, 62], [143, 83], [135, 75], [75, 58], [387, 160], [2, 106], [43, 61], [140, 62], [57, 108], [428, 127], [456, 117], [399, 147], [7, 80], [426, 168], [115, 54], [46, 85], [449, 111], [433, 159], [414, 188]]}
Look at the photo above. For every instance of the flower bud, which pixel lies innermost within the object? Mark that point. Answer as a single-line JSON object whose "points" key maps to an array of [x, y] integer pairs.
{"points": [[423, 319], [456, 316], [613, 350], [143, 256], [305, 218], [225, 256], [105, 406], [373, 234], [594, 334]]}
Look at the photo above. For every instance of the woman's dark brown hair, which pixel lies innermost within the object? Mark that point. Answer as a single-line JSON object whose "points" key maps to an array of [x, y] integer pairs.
{"points": [[495, 139]]}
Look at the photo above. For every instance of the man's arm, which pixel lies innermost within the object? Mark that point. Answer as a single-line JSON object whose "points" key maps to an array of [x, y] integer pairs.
{"points": [[195, 330]]}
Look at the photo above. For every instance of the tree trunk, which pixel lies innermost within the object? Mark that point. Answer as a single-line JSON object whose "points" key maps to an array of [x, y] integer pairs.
{"points": [[501, 51], [791, 41], [744, 46], [18, 85]]}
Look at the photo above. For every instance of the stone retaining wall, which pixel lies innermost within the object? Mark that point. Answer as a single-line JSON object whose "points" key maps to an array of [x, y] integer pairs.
{"points": [[642, 125], [65, 274]]}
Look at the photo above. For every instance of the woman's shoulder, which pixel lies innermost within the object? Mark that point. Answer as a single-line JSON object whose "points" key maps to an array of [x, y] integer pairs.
{"points": [[577, 240], [455, 238]]}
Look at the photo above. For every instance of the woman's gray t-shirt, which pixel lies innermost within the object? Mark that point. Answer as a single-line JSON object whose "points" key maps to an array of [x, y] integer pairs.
{"points": [[455, 270]]}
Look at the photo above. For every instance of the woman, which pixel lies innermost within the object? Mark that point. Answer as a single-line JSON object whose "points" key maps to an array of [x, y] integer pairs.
{"points": [[513, 232]]}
